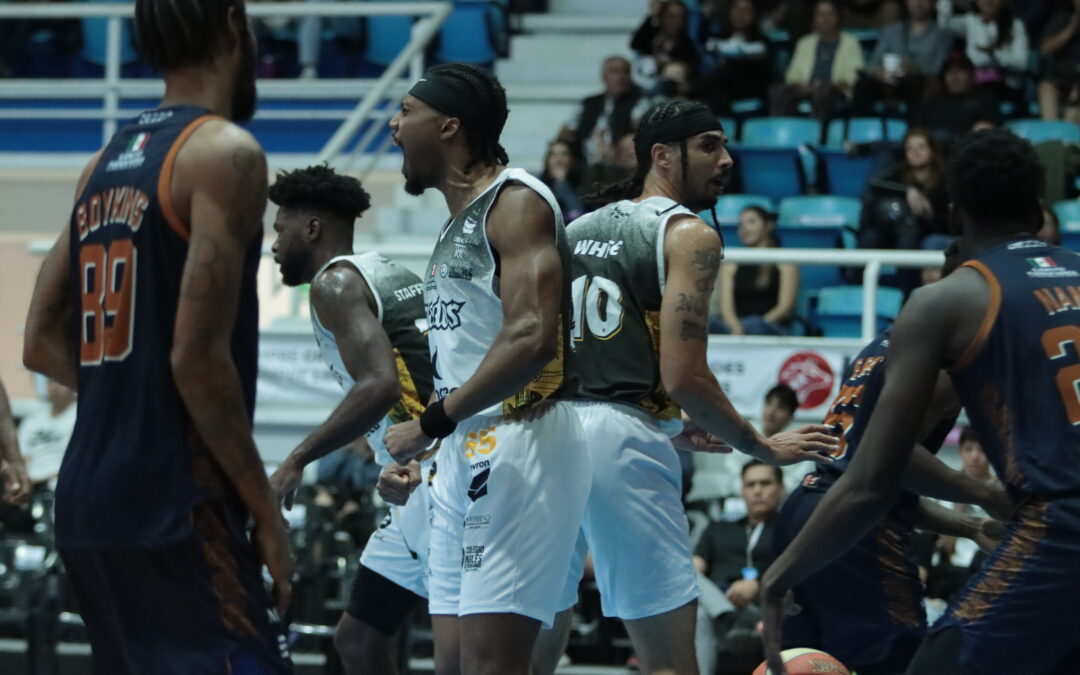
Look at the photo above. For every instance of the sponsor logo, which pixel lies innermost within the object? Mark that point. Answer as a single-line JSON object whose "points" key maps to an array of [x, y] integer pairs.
{"points": [[477, 522], [155, 116], [479, 486], [459, 251], [410, 291], [810, 480], [444, 270], [443, 392], [1027, 243], [444, 314], [472, 558], [598, 249], [809, 374], [471, 221], [460, 272], [482, 464], [132, 157]]}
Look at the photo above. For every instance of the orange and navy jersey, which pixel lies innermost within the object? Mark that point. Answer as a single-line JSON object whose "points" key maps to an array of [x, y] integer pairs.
{"points": [[1019, 380], [128, 476]]}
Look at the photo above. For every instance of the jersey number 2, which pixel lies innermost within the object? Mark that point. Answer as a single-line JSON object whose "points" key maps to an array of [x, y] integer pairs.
{"points": [[108, 301], [1068, 378], [598, 305]]}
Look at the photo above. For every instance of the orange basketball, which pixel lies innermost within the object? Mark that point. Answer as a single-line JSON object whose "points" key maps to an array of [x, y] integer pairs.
{"points": [[801, 661]]}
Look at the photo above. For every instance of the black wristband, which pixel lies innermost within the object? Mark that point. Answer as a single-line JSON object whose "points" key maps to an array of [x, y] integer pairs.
{"points": [[434, 422]]}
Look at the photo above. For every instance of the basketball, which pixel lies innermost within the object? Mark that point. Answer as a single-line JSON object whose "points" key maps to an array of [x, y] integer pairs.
{"points": [[802, 661]]}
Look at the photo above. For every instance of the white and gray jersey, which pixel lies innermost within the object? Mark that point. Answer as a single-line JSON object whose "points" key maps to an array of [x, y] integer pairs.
{"points": [[398, 297], [618, 287], [464, 310]]}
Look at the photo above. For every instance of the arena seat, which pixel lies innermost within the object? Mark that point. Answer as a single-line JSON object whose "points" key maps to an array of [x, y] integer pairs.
{"points": [[728, 208], [1039, 131], [839, 310]]}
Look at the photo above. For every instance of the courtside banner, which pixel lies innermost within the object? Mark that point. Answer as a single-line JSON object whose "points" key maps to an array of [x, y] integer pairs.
{"points": [[747, 367]]}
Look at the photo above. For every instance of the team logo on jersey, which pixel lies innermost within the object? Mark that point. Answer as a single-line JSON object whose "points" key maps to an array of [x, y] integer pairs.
{"points": [[1027, 243], [132, 157], [479, 486], [444, 314], [471, 221], [810, 376]]}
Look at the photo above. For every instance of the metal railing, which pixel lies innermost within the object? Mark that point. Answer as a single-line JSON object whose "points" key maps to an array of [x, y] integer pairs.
{"points": [[112, 88]]}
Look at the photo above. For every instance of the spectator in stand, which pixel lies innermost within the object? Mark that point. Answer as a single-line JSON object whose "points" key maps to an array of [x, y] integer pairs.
{"points": [[907, 55], [602, 119], [740, 60], [44, 435], [912, 202], [1059, 90], [871, 14], [781, 402], [756, 299], [997, 44], [662, 38], [824, 68], [1050, 232], [960, 105], [734, 555], [562, 175]]}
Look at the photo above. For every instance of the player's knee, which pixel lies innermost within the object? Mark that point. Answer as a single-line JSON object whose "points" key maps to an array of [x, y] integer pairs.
{"points": [[357, 643]]}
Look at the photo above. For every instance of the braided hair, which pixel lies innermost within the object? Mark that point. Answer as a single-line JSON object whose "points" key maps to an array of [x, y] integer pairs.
{"points": [[632, 186], [173, 34], [482, 134]]}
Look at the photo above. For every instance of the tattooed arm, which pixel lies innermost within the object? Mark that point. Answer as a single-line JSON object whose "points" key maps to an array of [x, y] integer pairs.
{"points": [[692, 259], [49, 345], [219, 187]]}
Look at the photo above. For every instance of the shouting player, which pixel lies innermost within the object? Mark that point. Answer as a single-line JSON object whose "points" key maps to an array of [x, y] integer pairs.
{"points": [[513, 468]]}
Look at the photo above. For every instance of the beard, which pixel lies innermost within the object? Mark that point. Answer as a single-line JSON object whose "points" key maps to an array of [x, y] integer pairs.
{"points": [[292, 271], [414, 186], [243, 95]]}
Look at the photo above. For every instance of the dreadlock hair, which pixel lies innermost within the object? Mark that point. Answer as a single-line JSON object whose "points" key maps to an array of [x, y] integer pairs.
{"points": [[173, 34], [632, 186], [481, 134], [320, 188]]}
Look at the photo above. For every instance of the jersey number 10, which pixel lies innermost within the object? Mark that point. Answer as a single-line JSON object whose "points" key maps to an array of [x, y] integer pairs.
{"points": [[108, 301], [600, 301]]}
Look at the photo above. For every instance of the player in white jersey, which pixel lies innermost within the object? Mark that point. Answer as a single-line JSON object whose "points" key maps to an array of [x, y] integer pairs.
{"points": [[368, 316], [644, 266], [513, 468]]}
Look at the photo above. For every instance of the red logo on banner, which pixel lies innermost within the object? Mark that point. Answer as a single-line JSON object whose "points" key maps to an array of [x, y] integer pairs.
{"points": [[810, 376]]}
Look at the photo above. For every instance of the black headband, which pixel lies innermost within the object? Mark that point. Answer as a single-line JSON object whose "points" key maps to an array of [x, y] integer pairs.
{"points": [[675, 128], [437, 92]]}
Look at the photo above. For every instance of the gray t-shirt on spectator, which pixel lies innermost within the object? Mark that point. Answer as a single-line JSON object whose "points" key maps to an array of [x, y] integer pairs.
{"points": [[927, 50], [823, 60]]}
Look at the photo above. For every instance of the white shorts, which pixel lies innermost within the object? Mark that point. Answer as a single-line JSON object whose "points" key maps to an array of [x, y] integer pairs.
{"points": [[398, 550], [507, 503], [634, 523]]}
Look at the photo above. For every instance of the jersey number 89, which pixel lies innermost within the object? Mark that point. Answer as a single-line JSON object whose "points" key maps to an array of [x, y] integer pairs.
{"points": [[108, 301], [601, 300]]}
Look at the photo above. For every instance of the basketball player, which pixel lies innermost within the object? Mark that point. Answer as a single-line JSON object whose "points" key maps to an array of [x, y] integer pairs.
{"points": [[367, 313], [513, 468], [643, 270], [12, 464], [866, 607], [147, 303], [1004, 324]]}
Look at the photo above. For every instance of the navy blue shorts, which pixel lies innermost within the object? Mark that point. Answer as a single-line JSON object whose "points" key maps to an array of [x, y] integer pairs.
{"points": [[864, 603], [1017, 614], [198, 607]]}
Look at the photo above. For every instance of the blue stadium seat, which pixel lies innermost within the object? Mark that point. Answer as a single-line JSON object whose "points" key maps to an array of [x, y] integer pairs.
{"points": [[846, 175], [465, 37], [386, 37], [728, 208], [780, 132], [820, 210], [864, 130], [731, 128], [1038, 131], [767, 155], [839, 310], [1068, 215]]}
